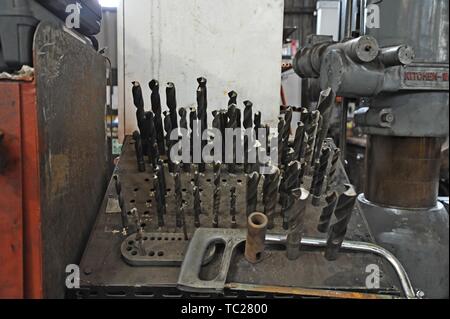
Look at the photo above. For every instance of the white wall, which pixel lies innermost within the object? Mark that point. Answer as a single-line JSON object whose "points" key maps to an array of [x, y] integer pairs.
{"points": [[235, 44]]}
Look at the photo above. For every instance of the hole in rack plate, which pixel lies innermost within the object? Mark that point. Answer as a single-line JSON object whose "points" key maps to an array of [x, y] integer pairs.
{"points": [[151, 253], [134, 253], [160, 253]]}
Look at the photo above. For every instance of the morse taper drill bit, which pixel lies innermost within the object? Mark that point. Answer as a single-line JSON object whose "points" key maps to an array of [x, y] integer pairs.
{"points": [[252, 192], [183, 221], [298, 140], [232, 98], [160, 172], [281, 145], [296, 221], [169, 142], [156, 108], [312, 131], [178, 195], [327, 212], [288, 120], [320, 172], [270, 189], [338, 230], [248, 115], [123, 213], [232, 124], [139, 151], [151, 139], [233, 207], [325, 106], [257, 123], [171, 100], [289, 183], [202, 102], [160, 205]]}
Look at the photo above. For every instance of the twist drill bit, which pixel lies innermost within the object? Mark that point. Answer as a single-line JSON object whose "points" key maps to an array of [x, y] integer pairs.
{"points": [[194, 129], [325, 106], [169, 142], [286, 133], [288, 119], [312, 131], [327, 212], [178, 195], [139, 238], [202, 102], [252, 192], [281, 145], [184, 125], [338, 230], [319, 176], [289, 183], [333, 168], [233, 98], [318, 143], [160, 206], [232, 124], [197, 206], [117, 185], [298, 141], [302, 173], [138, 101], [270, 189], [151, 141], [160, 172], [139, 151], [257, 123], [171, 99], [248, 115], [296, 221], [216, 197], [233, 207], [289, 155], [156, 108]]}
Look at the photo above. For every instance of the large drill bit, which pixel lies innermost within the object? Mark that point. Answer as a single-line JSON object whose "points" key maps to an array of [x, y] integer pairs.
{"points": [[202, 102], [233, 207], [123, 213], [183, 221], [156, 108], [281, 145], [288, 119], [333, 168], [257, 123], [289, 183], [327, 212], [171, 100], [319, 176], [139, 151], [286, 133], [232, 98], [270, 192], [252, 192], [139, 238], [312, 131], [338, 230], [296, 221], [151, 139], [232, 124], [298, 140], [197, 206], [324, 106], [160, 206], [160, 172], [216, 197]]}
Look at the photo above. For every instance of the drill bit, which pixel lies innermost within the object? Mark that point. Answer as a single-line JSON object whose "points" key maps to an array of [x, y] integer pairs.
{"points": [[252, 192], [257, 123], [281, 145], [296, 221], [169, 142], [270, 192], [202, 102], [183, 221], [151, 141], [171, 99], [197, 206], [216, 197], [327, 212], [160, 206], [233, 98], [289, 183], [248, 115], [319, 176], [160, 172], [156, 108], [138, 101], [139, 238], [318, 143], [325, 106], [233, 207], [232, 124], [288, 120], [333, 168], [139, 151], [338, 230], [184, 125], [298, 141], [178, 195], [311, 131]]}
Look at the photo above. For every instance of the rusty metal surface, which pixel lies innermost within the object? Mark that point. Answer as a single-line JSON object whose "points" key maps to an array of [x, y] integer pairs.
{"points": [[11, 215], [71, 81], [105, 274], [402, 172]]}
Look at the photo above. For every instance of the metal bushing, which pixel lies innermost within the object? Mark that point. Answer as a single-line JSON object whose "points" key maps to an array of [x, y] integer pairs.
{"points": [[256, 237]]}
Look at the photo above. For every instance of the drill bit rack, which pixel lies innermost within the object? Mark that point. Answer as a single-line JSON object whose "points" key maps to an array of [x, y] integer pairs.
{"points": [[152, 209]]}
